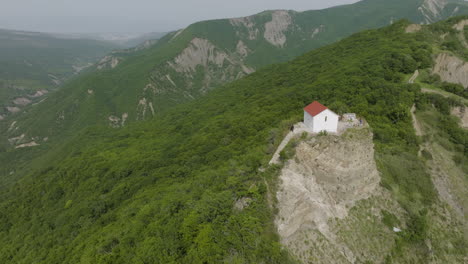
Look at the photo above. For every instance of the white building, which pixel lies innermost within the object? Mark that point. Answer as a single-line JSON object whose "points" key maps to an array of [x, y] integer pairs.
{"points": [[318, 118]]}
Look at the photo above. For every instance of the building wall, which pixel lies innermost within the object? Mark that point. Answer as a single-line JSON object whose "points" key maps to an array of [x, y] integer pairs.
{"points": [[325, 121], [308, 120]]}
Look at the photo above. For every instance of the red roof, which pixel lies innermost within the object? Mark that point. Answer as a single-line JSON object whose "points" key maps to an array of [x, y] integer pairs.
{"points": [[315, 108]]}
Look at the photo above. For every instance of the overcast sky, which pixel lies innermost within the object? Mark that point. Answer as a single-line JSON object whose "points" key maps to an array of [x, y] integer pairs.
{"points": [[134, 16]]}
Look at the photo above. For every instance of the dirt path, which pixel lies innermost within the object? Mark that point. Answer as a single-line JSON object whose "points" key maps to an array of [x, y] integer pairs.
{"points": [[414, 77], [416, 124], [444, 94], [427, 90], [299, 128]]}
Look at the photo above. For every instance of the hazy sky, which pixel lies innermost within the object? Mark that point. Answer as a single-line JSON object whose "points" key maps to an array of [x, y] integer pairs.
{"points": [[80, 16]]}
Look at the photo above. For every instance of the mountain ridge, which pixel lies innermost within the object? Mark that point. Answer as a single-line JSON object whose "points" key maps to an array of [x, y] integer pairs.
{"points": [[187, 63]]}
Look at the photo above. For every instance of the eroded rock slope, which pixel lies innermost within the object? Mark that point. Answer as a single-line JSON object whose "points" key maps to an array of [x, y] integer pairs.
{"points": [[331, 186]]}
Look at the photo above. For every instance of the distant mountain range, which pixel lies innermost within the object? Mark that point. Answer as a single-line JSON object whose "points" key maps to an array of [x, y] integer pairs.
{"points": [[139, 83], [33, 64], [123, 40]]}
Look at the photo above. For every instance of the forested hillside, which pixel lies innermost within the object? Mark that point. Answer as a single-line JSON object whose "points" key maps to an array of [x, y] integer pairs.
{"points": [[167, 190], [34, 64], [141, 83]]}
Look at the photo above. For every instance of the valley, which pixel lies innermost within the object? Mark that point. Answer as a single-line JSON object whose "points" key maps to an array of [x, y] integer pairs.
{"points": [[34, 64]]}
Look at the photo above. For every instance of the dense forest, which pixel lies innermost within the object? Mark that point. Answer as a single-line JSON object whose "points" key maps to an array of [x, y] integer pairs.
{"points": [[30, 62], [163, 191]]}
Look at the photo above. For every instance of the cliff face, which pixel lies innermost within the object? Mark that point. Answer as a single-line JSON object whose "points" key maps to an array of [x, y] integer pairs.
{"points": [[332, 185], [432, 10], [451, 69]]}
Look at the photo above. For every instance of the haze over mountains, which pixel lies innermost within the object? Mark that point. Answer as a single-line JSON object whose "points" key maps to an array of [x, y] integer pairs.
{"points": [[185, 64], [140, 16], [159, 153]]}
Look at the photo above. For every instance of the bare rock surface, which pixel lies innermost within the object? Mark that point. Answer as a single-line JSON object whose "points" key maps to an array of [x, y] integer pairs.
{"points": [[317, 31], [143, 106], [16, 140], [431, 9], [248, 24], [39, 93], [413, 28], [22, 101], [117, 122], [27, 145], [461, 113], [328, 177], [242, 49], [108, 62], [461, 25], [242, 203], [219, 66], [451, 69], [276, 28], [13, 109], [199, 52]]}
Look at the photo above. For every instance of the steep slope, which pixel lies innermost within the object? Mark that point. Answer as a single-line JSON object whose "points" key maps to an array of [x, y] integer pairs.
{"points": [[33, 64], [137, 85], [329, 176], [190, 186]]}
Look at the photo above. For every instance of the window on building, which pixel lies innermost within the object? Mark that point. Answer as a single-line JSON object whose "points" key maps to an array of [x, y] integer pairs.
{"points": [[326, 118]]}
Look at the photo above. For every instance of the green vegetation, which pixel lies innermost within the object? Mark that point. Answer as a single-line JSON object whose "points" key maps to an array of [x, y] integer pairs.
{"points": [[447, 125], [164, 191], [119, 91], [433, 80], [33, 61]]}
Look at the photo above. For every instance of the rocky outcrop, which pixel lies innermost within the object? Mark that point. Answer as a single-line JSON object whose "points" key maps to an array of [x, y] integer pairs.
{"points": [[108, 62], [16, 140], [317, 31], [199, 52], [39, 93], [461, 113], [413, 28], [22, 101], [431, 10], [143, 106], [13, 109], [461, 25], [247, 24], [327, 178], [275, 29], [242, 49], [27, 145], [218, 66], [451, 69], [117, 122]]}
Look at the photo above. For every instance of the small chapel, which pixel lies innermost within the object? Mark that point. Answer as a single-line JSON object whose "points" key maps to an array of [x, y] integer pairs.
{"points": [[319, 118]]}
